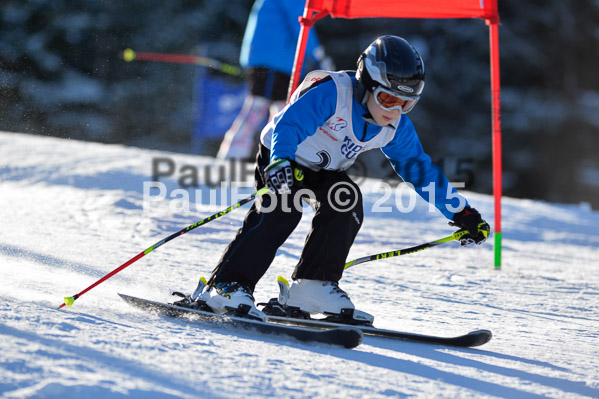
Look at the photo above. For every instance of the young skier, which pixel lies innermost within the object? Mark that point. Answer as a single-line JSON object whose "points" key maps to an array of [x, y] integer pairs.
{"points": [[305, 151]]}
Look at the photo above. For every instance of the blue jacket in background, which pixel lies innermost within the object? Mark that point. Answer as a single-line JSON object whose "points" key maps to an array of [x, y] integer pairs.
{"points": [[271, 36]]}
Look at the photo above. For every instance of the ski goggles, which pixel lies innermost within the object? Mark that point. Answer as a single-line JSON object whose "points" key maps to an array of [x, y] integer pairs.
{"points": [[390, 100]]}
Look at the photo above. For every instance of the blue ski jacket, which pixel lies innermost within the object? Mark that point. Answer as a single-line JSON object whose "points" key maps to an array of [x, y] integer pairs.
{"points": [[302, 118], [271, 35]]}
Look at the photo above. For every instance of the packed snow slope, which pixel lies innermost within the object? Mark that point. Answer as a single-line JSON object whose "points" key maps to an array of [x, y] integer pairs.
{"points": [[70, 212]]}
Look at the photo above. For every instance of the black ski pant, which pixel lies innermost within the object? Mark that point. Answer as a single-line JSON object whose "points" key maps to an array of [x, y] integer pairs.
{"points": [[337, 201]]}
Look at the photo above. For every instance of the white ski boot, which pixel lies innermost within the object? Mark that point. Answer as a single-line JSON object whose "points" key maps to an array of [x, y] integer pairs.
{"points": [[316, 296], [233, 297]]}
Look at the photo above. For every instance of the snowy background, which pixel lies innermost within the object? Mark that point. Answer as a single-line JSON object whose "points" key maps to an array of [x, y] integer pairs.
{"points": [[72, 211]]}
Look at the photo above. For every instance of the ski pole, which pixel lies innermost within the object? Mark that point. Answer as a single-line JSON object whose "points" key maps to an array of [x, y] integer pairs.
{"points": [[455, 236], [69, 300], [130, 55]]}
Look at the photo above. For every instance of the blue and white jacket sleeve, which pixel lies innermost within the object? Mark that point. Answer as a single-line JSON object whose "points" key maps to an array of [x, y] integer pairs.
{"points": [[414, 166], [302, 118]]}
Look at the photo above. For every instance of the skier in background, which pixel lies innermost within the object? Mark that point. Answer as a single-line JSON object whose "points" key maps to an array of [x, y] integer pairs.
{"points": [[267, 55], [305, 151]]}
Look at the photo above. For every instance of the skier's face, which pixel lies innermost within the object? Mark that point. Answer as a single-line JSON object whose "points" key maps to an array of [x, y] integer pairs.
{"points": [[381, 116]]}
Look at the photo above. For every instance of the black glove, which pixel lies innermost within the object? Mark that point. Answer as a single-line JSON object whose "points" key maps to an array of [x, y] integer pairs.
{"points": [[278, 176], [470, 220]]}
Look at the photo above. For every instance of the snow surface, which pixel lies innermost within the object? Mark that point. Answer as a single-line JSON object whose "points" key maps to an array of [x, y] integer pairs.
{"points": [[73, 211]]}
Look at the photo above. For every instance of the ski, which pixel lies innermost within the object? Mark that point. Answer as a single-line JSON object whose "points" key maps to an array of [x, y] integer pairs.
{"points": [[289, 315], [471, 339], [340, 335]]}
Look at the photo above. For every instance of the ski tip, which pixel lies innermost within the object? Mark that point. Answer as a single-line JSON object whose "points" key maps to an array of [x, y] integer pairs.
{"points": [[481, 337], [488, 333], [203, 280]]}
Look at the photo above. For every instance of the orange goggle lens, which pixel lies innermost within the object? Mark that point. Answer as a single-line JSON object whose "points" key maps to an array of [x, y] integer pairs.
{"points": [[388, 100]]}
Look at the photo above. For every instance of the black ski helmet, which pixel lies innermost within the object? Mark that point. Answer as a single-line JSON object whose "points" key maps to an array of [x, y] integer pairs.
{"points": [[392, 62]]}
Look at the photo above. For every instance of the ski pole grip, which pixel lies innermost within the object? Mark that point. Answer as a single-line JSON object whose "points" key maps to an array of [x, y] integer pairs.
{"points": [[459, 234]]}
